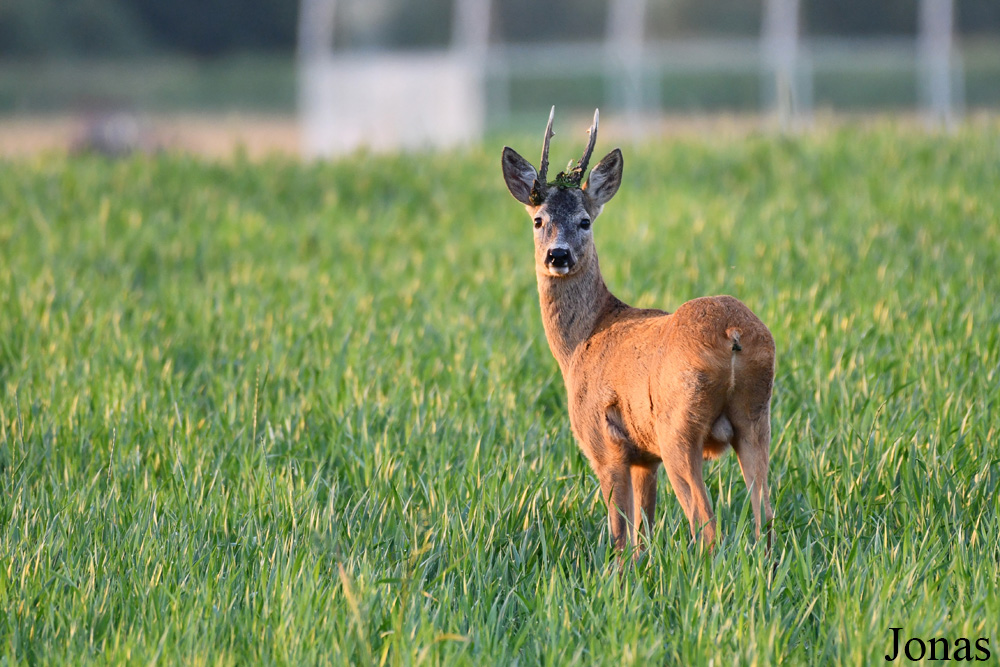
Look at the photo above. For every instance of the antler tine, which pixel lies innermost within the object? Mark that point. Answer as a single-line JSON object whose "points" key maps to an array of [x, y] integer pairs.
{"points": [[590, 144], [543, 168]]}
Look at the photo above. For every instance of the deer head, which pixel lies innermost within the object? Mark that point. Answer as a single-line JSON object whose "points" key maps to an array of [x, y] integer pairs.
{"points": [[563, 210]]}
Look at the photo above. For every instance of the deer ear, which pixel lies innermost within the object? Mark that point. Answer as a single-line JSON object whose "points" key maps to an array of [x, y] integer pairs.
{"points": [[518, 174], [605, 178]]}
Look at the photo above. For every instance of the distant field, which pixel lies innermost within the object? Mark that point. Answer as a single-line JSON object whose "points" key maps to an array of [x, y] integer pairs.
{"points": [[266, 412], [854, 77], [215, 136]]}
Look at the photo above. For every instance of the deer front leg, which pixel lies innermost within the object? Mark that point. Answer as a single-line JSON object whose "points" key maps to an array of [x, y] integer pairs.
{"points": [[616, 488]]}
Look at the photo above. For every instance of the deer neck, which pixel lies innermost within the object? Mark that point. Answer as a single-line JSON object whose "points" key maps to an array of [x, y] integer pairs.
{"points": [[571, 308]]}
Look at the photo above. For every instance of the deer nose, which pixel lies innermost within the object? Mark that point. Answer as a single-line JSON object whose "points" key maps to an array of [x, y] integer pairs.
{"points": [[559, 258]]}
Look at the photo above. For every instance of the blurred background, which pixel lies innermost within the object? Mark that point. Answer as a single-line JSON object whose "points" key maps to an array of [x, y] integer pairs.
{"points": [[322, 77]]}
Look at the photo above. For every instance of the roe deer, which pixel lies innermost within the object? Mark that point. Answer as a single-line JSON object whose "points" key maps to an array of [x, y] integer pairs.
{"points": [[645, 386]]}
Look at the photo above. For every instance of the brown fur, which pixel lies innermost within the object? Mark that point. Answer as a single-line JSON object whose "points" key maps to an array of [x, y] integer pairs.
{"points": [[645, 386]]}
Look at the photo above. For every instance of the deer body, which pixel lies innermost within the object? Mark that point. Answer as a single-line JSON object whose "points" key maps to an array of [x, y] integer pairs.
{"points": [[645, 387]]}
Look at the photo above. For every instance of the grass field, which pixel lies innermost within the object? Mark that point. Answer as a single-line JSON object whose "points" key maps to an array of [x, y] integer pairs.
{"points": [[284, 413]]}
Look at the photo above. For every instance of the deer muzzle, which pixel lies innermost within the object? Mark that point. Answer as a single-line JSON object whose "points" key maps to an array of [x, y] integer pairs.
{"points": [[559, 261]]}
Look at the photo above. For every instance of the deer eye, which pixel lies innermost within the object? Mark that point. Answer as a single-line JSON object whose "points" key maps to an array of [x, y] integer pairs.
{"points": [[538, 223], [585, 223]]}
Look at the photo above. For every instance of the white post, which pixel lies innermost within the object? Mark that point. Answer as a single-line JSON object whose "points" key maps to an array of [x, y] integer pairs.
{"points": [[626, 34], [780, 37], [471, 27], [316, 27], [471, 41], [316, 21], [935, 46]]}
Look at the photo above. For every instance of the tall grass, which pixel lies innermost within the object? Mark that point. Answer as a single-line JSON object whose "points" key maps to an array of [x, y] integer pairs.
{"points": [[292, 413]]}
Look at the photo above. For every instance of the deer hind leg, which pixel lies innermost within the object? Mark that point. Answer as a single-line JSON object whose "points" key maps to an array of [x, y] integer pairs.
{"points": [[753, 445], [616, 488], [681, 450], [644, 499]]}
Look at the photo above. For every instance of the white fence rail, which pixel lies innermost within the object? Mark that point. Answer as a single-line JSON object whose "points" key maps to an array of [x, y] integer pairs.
{"points": [[391, 100]]}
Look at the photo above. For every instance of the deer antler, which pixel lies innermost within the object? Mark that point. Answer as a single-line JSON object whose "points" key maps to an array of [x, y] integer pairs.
{"points": [[582, 165], [541, 182], [572, 177], [543, 169]]}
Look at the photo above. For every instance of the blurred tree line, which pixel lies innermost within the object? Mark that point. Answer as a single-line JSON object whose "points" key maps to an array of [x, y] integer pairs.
{"points": [[113, 28], [208, 28]]}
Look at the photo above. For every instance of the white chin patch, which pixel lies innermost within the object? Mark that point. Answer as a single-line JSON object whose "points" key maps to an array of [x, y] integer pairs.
{"points": [[558, 270]]}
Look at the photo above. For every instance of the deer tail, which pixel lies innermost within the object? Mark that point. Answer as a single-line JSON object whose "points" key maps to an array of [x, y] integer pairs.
{"points": [[733, 333]]}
